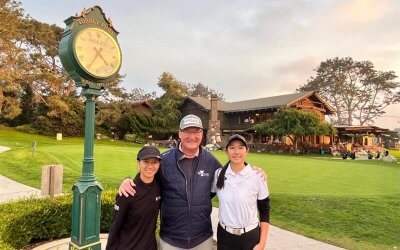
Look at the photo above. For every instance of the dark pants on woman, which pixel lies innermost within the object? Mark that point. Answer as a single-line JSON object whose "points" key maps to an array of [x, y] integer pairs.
{"points": [[245, 241]]}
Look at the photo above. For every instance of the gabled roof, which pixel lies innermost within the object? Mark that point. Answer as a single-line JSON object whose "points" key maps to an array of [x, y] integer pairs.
{"points": [[261, 103], [206, 104]]}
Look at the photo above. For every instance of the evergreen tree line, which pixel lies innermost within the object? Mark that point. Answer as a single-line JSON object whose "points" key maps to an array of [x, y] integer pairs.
{"points": [[37, 93]]}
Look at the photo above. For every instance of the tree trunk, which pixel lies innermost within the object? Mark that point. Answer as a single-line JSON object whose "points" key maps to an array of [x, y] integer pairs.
{"points": [[1, 99]]}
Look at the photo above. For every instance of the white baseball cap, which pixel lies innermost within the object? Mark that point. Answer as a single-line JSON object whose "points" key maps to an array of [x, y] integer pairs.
{"points": [[190, 121]]}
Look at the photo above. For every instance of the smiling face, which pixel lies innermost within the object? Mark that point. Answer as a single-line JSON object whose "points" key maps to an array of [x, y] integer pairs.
{"points": [[148, 168], [190, 139], [237, 152]]}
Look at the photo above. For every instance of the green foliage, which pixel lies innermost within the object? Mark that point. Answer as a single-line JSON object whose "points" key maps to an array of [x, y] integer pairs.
{"points": [[109, 115], [129, 137], [34, 219], [166, 113], [200, 90], [64, 116], [138, 94], [107, 209], [27, 128], [294, 123], [4, 246], [173, 88], [355, 89], [44, 218], [12, 59]]}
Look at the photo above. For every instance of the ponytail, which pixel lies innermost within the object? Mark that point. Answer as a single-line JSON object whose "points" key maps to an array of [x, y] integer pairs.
{"points": [[221, 176]]}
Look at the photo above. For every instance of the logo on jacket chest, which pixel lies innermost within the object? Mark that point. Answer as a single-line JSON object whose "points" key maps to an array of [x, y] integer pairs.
{"points": [[202, 173]]}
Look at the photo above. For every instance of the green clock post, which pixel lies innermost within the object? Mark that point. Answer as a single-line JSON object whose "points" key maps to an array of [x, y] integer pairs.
{"points": [[90, 53]]}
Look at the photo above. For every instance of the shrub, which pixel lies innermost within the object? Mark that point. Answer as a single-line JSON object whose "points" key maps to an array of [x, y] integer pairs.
{"points": [[129, 137], [44, 218], [27, 128], [4, 246]]}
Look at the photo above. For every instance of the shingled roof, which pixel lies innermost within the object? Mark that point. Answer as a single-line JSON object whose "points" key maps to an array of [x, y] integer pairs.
{"points": [[261, 103]]}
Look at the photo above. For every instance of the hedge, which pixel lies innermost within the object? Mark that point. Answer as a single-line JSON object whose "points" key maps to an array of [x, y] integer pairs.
{"points": [[4, 246], [27, 128], [38, 219]]}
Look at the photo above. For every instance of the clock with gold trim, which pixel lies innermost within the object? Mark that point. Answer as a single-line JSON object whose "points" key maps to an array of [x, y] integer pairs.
{"points": [[97, 52], [89, 49]]}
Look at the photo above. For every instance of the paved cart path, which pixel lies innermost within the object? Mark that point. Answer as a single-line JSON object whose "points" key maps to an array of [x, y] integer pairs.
{"points": [[11, 190]]}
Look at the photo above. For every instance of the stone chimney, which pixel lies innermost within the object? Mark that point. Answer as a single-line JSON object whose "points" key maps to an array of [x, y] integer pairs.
{"points": [[214, 108], [214, 126]]}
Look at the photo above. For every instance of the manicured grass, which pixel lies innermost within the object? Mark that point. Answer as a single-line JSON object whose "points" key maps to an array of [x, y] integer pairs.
{"points": [[351, 204], [113, 160], [351, 222], [290, 174]]}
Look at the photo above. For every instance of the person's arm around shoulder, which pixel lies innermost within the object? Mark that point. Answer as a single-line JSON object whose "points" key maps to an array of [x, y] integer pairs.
{"points": [[214, 184], [126, 187], [264, 213], [260, 171]]}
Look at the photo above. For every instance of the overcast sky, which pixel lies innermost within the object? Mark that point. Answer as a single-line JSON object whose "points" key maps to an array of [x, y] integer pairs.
{"points": [[245, 49]]}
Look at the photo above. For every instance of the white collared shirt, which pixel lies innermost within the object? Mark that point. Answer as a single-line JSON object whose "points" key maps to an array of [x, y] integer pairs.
{"points": [[238, 198]]}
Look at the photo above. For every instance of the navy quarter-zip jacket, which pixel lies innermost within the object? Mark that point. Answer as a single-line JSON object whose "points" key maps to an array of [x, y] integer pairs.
{"points": [[186, 207]]}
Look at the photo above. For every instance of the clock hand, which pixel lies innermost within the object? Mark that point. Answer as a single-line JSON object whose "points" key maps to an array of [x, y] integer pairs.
{"points": [[102, 58], [94, 58]]}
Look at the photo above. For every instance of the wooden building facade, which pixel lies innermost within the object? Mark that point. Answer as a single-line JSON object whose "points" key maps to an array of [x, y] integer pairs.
{"points": [[225, 118]]}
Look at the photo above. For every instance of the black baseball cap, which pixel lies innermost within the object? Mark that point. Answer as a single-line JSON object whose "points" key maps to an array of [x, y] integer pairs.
{"points": [[148, 152], [238, 138]]}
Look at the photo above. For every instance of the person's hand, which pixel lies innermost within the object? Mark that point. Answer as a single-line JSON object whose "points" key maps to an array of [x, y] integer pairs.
{"points": [[261, 171], [126, 187], [258, 247]]}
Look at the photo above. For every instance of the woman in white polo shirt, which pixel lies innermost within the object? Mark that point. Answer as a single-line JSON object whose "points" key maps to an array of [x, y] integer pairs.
{"points": [[242, 192]]}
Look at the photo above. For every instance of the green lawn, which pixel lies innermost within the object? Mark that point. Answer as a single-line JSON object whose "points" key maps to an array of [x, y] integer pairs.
{"points": [[351, 204]]}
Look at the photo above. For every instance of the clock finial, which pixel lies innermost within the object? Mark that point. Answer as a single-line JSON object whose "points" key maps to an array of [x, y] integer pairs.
{"points": [[84, 12], [109, 21]]}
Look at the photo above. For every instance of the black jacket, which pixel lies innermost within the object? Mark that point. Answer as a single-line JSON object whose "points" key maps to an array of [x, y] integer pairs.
{"points": [[135, 218], [185, 219]]}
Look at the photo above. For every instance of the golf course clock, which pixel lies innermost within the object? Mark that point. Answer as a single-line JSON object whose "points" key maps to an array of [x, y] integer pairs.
{"points": [[89, 49], [90, 53]]}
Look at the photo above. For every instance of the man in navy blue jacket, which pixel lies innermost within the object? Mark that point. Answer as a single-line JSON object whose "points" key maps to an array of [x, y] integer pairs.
{"points": [[186, 175]]}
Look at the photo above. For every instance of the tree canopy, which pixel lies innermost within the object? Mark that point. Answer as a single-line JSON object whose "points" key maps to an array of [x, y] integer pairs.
{"points": [[294, 124], [34, 87], [120, 117], [356, 90], [200, 90]]}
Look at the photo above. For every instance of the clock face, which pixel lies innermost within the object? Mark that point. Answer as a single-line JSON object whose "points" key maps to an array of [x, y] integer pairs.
{"points": [[97, 52]]}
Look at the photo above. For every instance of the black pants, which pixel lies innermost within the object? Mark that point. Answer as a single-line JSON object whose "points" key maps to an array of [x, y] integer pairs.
{"points": [[229, 241]]}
